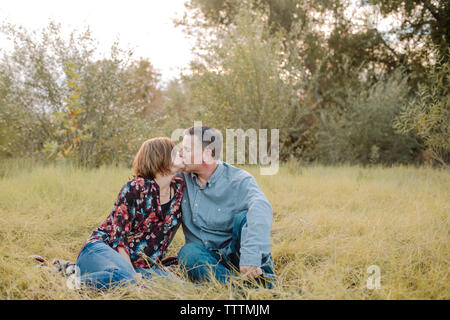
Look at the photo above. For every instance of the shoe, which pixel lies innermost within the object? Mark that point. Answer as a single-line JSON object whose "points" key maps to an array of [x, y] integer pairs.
{"points": [[65, 267]]}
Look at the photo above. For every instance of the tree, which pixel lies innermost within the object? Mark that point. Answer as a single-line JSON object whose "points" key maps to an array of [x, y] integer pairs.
{"points": [[59, 100], [238, 83], [142, 81], [424, 22], [333, 60], [428, 116], [323, 53], [365, 132]]}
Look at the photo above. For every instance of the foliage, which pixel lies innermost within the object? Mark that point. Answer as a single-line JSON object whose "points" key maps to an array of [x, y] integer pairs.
{"points": [[424, 22], [178, 110], [59, 100], [67, 121], [316, 70], [364, 133], [428, 115], [238, 83], [336, 64]]}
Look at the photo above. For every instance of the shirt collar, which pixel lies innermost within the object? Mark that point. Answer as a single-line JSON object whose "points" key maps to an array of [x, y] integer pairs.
{"points": [[216, 174]]}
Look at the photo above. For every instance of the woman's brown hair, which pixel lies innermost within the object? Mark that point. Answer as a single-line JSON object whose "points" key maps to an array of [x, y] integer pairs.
{"points": [[154, 157]]}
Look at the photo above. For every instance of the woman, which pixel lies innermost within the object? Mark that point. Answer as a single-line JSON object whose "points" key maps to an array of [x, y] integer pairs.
{"points": [[134, 237]]}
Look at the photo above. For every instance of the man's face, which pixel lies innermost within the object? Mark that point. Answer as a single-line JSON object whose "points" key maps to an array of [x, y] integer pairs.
{"points": [[192, 153]]}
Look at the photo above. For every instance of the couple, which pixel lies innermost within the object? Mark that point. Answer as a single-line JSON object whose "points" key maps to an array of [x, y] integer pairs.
{"points": [[226, 218]]}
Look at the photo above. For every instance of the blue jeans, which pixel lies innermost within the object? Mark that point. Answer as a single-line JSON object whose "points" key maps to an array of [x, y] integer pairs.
{"points": [[103, 267], [200, 263]]}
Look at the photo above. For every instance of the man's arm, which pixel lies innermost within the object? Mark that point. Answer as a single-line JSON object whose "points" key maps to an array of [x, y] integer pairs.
{"points": [[255, 236]]}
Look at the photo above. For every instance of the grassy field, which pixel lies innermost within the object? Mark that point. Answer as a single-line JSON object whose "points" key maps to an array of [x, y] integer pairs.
{"points": [[330, 224]]}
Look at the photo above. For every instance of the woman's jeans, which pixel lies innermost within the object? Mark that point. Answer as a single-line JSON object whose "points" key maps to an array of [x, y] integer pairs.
{"points": [[103, 267], [201, 263]]}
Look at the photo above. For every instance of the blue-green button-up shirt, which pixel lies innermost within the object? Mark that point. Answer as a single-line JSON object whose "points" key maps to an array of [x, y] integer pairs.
{"points": [[209, 210]]}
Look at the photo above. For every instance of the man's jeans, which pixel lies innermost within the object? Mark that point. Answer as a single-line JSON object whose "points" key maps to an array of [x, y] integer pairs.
{"points": [[103, 267], [200, 263]]}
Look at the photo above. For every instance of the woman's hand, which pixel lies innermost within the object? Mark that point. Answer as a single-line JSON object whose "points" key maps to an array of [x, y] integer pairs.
{"points": [[125, 255]]}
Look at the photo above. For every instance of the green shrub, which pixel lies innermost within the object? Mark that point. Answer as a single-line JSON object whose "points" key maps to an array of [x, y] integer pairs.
{"points": [[428, 116], [364, 133]]}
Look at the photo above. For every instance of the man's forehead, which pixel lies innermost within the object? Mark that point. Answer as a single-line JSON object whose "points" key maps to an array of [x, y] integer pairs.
{"points": [[188, 140]]}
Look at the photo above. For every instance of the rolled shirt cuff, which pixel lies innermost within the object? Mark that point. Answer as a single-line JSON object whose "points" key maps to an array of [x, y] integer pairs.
{"points": [[250, 260]]}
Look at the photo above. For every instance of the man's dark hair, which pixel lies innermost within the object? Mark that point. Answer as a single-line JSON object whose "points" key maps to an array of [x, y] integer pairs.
{"points": [[208, 135]]}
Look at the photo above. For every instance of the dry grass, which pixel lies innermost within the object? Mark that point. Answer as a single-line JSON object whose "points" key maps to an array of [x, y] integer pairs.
{"points": [[330, 225]]}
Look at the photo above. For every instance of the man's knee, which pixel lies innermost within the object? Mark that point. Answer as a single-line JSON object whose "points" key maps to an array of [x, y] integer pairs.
{"points": [[190, 253], [239, 221]]}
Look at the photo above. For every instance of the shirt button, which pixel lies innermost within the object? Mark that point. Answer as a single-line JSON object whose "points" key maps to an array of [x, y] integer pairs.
{"points": [[218, 209], [195, 204]]}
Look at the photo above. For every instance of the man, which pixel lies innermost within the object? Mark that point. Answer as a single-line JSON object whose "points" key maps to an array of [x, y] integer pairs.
{"points": [[226, 217]]}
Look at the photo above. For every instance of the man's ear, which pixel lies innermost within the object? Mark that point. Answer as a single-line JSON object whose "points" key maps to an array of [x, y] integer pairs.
{"points": [[207, 156]]}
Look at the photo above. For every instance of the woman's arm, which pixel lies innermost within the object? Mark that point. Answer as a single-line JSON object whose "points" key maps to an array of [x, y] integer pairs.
{"points": [[125, 255], [121, 219]]}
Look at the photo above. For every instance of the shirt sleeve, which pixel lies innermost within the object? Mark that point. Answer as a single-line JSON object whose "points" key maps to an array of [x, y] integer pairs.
{"points": [[255, 235], [119, 222]]}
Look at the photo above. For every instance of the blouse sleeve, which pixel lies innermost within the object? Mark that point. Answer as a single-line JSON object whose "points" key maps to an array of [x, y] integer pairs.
{"points": [[119, 222]]}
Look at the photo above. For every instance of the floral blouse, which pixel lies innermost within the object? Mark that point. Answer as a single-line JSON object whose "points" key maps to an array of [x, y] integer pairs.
{"points": [[137, 223]]}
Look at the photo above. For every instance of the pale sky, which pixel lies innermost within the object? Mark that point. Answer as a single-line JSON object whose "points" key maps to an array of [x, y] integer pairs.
{"points": [[144, 25]]}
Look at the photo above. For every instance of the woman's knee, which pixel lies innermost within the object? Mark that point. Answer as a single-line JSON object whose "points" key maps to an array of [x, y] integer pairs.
{"points": [[118, 274], [108, 278]]}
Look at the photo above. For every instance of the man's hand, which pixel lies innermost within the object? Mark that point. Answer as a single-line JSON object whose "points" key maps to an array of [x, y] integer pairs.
{"points": [[250, 271]]}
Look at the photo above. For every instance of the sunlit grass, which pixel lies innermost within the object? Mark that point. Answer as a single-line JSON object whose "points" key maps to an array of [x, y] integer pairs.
{"points": [[330, 224]]}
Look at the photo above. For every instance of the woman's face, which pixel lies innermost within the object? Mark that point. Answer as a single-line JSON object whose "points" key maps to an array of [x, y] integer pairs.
{"points": [[178, 163], [192, 153]]}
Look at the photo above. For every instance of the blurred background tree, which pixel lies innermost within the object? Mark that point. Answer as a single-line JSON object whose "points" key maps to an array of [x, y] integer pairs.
{"points": [[345, 75], [59, 101], [341, 83], [428, 115]]}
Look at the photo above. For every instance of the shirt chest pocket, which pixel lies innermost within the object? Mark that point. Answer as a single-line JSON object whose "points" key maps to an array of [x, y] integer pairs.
{"points": [[219, 219]]}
